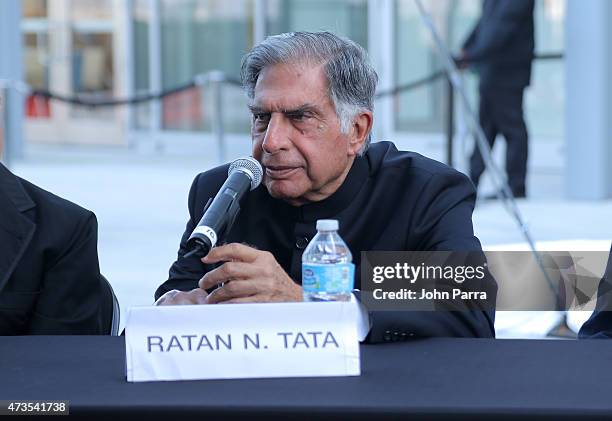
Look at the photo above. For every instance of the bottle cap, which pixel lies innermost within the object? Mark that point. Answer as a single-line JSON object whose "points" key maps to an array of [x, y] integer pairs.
{"points": [[327, 225]]}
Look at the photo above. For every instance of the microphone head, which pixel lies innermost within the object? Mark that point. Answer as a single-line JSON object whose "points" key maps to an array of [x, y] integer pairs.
{"points": [[249, 166]]}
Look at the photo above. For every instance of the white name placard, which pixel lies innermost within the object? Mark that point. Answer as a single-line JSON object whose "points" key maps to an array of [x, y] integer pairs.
{"points": [[230, 341]]}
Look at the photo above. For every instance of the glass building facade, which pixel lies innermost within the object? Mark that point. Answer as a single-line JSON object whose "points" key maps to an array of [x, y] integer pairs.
{"points": [[116, 48]]}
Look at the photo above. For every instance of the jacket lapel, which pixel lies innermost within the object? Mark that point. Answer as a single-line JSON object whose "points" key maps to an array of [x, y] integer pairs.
{"points": [[16, 229]]}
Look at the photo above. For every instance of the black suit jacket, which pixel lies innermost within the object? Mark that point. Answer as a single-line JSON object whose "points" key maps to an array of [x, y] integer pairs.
{"points": [[502, 43], [390, 200], [599, 325], [49, 273]]}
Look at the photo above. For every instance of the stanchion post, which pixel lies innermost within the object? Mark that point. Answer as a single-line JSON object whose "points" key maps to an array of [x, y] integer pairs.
{"points": [[5, 153], [217, 78]]}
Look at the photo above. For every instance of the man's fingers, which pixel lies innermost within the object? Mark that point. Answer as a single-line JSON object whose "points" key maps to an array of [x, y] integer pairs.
{"points": [[226, 272], [198, 296], [244, 300], [232, 290], [165, 299], [231, 252], [176, 297]]}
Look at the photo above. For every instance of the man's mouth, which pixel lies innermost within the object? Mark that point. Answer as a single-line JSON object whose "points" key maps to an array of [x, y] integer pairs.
{"points": [[280, 171]]}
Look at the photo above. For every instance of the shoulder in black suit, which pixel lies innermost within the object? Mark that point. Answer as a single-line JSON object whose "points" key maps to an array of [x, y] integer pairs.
{"points": [[49, 272], [599, 325]]}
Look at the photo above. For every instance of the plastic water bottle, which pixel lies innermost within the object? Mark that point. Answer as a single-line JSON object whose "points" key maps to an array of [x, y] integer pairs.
{"points": [[328, 273]]}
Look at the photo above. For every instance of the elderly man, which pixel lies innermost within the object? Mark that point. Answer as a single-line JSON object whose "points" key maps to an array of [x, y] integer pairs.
{"points": [[311, 99], [49, 275]]}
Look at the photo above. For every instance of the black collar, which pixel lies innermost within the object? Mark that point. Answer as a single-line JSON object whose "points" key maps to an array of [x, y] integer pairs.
{"points": [[329, 207], [341, 198]]}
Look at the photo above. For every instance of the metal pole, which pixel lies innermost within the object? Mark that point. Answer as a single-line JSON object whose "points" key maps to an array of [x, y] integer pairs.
{"points": [[217, 78], [260, 14], [4, 121], [11, 73], [155, 72], [129, 69], [450, 121]]}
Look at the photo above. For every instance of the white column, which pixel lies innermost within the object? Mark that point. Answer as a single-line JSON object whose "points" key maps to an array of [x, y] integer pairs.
{"points": [[381, 51], [260, 14], [11, 69], [59, 14], [155, 71], [124, 59], [589, 99]]}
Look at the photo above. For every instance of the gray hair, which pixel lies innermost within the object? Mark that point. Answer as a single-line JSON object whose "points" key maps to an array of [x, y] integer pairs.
{"points": [[350, 76]]}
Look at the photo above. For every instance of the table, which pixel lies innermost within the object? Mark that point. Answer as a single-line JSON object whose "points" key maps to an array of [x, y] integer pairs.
{"points": [[427, 379]]}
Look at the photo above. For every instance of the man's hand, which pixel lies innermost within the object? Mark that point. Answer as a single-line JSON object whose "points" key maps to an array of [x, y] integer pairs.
{"points": [[249, 275], [176, 297]]}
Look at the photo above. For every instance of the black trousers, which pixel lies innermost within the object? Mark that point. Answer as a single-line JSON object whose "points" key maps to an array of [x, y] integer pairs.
{"points": [[501, 112]]}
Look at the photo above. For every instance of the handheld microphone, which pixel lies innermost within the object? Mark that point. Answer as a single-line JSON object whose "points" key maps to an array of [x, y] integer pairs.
{"points": [[244, 174]]}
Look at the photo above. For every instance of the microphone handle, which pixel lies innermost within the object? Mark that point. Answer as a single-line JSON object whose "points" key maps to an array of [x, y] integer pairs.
{"points": [[200, 250], [219, 215]]}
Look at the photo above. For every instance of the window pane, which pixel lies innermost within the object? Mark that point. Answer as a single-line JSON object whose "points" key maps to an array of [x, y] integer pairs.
{"points": [[199, 36], [34, 8], [92, 55], [36, 55], [91, 9], [416, 58], [92, 63], [93, 73], [36, 60], [343, 17], [545, 99]]}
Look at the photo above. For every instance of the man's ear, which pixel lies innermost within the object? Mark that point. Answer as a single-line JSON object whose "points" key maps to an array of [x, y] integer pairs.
{"points": [[361, 128]]}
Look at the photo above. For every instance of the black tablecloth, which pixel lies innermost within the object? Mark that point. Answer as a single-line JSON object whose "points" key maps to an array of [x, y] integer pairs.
{"points": [[433, 378]]}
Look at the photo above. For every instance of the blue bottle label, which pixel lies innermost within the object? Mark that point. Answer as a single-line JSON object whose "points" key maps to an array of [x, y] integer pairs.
{"points": [[330, 278]]}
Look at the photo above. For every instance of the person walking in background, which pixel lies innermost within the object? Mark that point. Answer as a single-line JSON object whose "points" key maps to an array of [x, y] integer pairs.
{"points": [[501, 49]]}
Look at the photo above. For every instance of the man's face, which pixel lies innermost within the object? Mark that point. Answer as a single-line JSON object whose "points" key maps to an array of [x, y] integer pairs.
{"points": [[296, 134]]}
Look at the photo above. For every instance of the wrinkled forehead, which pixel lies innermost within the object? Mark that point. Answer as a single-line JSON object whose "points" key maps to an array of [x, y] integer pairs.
{"points": [[288, 85]]}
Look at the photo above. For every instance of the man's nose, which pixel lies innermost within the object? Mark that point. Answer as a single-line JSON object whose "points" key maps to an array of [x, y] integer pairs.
{"points": [[277, 134]]}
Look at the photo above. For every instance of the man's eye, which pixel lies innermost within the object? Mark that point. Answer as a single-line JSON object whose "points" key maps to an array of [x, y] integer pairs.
{"points": [[261, 118], [299, 117]]}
